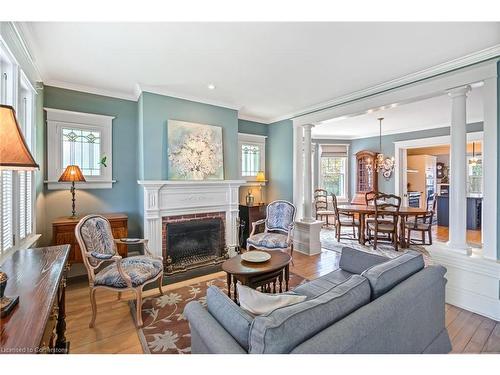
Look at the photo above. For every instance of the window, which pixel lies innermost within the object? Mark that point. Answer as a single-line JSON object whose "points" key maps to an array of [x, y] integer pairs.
{"points": [[17, 209], [475, 174], [333, 169], [252, 149], [82, 139]]}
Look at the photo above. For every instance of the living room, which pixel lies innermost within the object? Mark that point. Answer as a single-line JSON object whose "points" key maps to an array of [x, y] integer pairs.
{"points": [[158, 197]]}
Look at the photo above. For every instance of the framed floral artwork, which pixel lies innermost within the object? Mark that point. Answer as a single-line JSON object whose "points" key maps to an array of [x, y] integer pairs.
{"points": [[195, 151]]}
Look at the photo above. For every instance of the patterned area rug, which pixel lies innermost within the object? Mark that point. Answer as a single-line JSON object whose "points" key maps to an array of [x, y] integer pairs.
{"points": [[166, 330], [329, 242]]}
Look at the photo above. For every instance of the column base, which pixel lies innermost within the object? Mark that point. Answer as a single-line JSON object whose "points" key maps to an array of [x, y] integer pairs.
{"points": [[460, 248], [306, 238]]}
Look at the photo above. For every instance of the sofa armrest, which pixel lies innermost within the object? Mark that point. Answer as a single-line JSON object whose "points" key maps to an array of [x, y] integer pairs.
{"points": [[356, 261], [207, 333]]}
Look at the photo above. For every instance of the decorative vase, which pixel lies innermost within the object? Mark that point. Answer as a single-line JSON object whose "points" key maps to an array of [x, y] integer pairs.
{"points": [[250, 199]]}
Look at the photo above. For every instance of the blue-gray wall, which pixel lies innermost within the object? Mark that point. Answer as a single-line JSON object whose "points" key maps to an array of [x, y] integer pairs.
{"points": [[120, 198], [252, 127], [155, 112], [280, 161]]}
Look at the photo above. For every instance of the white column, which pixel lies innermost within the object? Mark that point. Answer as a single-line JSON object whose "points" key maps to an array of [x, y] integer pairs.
{"points": [[490, 165], [298, 165], [308, 218], [458, 170]]}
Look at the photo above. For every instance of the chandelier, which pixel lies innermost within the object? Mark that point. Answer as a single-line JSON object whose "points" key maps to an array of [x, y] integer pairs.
{"points": [[474, 160], [383, 164]]}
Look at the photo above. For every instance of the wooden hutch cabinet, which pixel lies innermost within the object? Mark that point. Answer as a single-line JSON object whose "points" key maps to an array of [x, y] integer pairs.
{"points": [[366, 175]]}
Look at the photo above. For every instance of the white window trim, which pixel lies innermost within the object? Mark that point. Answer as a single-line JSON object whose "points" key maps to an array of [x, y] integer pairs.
{"points": [[252, 139], [19, 78], [345, 198], [56, 120]]}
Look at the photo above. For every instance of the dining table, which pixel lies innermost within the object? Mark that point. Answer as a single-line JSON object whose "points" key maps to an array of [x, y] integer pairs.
{"points": [[363, 210]]}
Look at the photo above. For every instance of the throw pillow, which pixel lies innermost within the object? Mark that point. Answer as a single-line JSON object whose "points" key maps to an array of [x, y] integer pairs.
{"points": [[258, 303]]}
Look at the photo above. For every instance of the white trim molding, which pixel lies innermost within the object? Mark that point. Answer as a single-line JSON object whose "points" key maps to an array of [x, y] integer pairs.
{"points": [[437, 70], [473, 281], [58, 119], [167, 198]]}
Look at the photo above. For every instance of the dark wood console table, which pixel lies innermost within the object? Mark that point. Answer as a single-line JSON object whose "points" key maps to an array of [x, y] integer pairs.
{"points": [[37, 324]]}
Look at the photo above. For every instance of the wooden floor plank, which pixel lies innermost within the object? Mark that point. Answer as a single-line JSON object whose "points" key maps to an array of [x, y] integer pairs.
{"points": [[115, 330], [479, 338], [462, 338], [493, 343]]}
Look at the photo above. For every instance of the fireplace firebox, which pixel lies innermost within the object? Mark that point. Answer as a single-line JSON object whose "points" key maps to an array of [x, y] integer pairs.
{"points": [[193, 241]]}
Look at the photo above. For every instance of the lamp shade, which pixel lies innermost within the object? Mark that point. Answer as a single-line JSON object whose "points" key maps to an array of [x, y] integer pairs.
{"points": [[14, 152], [261, 177], [72, 173]]}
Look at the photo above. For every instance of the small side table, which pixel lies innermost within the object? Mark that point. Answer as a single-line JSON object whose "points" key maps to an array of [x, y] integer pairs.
{"points": [[266, 275]]}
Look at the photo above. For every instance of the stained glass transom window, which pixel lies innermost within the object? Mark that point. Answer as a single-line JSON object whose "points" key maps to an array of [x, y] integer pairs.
{"points": [[83, 148], [250, 160]]}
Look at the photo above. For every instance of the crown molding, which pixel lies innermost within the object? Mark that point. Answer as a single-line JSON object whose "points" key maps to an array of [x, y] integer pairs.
{"points": [[461, 62], [257, 119], [90, 90], [156, 90]]}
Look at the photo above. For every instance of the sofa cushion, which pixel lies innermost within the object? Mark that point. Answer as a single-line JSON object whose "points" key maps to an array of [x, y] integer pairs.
{"points": [[385, 276], [357, 261], [233, 318], [283, 329], [322, 284]]}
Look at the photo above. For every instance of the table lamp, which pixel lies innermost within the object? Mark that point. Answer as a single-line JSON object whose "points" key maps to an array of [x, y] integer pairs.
{"points": [[261, 178], [72, 174], [14, 156]]}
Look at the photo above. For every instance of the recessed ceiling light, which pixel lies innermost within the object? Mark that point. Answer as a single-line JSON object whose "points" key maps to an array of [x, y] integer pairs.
{"points": [[211, 86], [369, 111]]}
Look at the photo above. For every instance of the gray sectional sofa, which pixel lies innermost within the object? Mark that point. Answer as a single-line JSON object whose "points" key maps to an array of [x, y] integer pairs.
{"points": [[371, 304]]}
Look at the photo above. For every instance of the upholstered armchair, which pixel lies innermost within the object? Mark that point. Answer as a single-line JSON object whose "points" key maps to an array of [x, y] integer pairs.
{"points": [[97, 245], [278, 230]]}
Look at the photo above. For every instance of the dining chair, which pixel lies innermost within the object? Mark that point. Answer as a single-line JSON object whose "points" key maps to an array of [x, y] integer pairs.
{"points": [[422, 224], [321, 205], [278, 229], [344, 219], [369, 200], [386, 205], [93, 233]]}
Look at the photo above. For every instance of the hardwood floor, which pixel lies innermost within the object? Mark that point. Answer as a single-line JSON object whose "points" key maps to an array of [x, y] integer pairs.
{"points": [[115, 331], [441, 234]]}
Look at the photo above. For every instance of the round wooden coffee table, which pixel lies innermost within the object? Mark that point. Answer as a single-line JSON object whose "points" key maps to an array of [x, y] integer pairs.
{"points": [[254, 275]]}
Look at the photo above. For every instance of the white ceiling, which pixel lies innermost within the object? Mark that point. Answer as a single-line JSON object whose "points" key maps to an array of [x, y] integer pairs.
{"points": [[266, 70], [425, 114]]}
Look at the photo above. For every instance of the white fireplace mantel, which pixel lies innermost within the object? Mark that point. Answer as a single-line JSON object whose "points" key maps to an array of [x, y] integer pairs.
{"points": [[169, 198]]}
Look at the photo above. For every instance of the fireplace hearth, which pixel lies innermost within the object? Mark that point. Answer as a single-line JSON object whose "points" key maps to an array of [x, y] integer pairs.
{"points": [[193, 241]]}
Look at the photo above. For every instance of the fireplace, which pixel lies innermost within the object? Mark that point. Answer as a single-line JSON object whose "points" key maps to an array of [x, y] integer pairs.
{"points": [[193, 241]]}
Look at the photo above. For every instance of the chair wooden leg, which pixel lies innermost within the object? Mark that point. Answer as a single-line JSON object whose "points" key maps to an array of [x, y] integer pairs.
{"points": [[291, 253], [423, 237], [338, 228], [375, 241], [160, 283], [430, 236], [353, 232], [138, 303], [395, 240], [94, 307], [408, 237]]}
